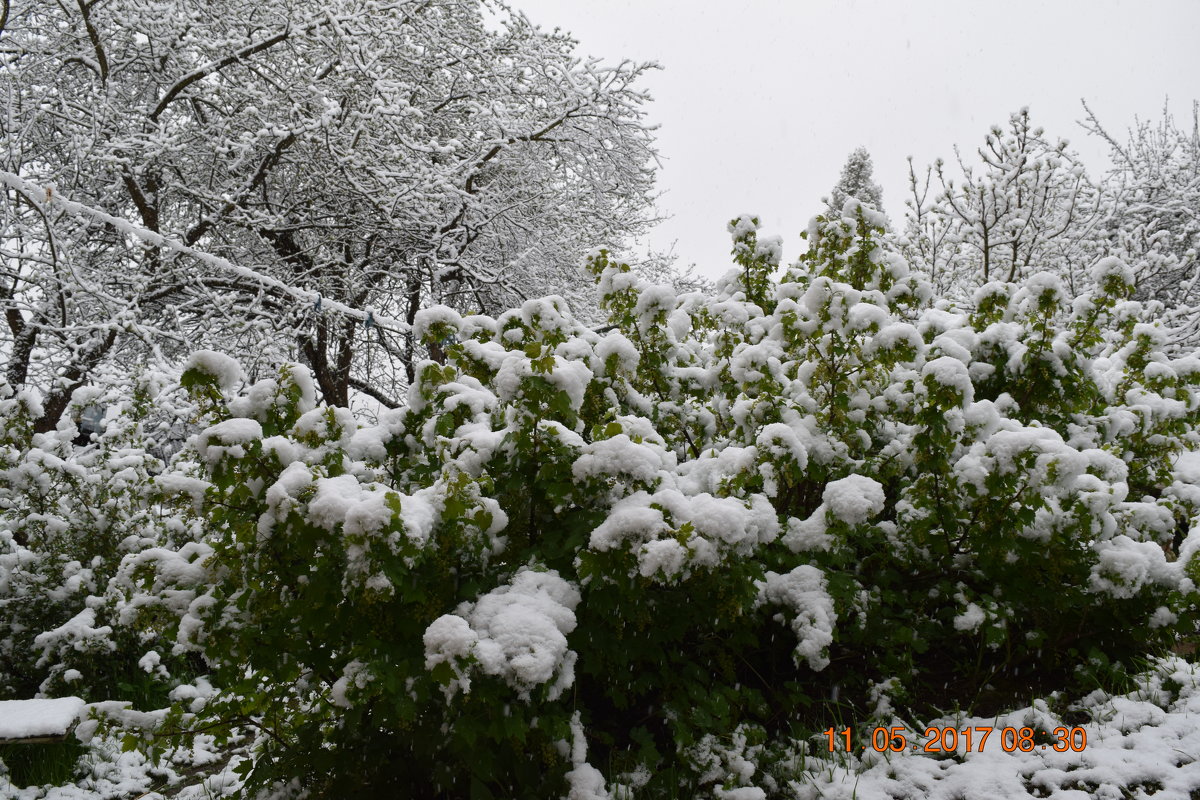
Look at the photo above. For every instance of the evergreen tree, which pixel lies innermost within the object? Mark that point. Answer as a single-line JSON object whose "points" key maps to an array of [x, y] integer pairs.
{"points": [[856, 181]]}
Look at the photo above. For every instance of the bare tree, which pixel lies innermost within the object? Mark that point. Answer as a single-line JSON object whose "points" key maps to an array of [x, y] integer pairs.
{"points": [[1154, 186], [375, 155], [1027, 206]]}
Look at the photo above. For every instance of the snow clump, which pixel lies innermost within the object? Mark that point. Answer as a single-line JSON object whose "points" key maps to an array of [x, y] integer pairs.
{"points": [[516, 632], [226, 370], [854, 499]]}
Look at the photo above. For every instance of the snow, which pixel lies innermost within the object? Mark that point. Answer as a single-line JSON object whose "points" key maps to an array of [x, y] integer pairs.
{"points": [[802, 592], [1124, 566], [447, 638], [1187, 467], [757, 362], [490, 354], [361, 510], [217, 365], [282, 495], [873, 217], [741, 226], [427, 318], [227, 439], [781, 441], [808, 534], [1186, 485], [666, 511], [266, 395], [571, 377], [970, 619], [720, 528], [29, 719], [335, 427], [516, 632], [894, 336], [667, 556], [620, 456], [866, 317], [615, 346], [1111, 266], [952, 373], [1140, 744], [740, 793], [585, 781], [199, 770], [632, 516], [174, 483], [854, 499], [770, 249], [355, 675], [80, 632], [334, 499], [1163, 616], [154, 239]]}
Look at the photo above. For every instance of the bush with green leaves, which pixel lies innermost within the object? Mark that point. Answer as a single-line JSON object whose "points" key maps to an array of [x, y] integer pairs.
{"points": [[653, 561]]}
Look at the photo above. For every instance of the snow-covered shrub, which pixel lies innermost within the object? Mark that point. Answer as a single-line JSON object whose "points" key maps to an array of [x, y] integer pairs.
{"points": [[73, 505], [643, 561]]}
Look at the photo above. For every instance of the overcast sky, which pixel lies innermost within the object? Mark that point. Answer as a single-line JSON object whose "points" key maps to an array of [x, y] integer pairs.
{"points": [[760, 101]]}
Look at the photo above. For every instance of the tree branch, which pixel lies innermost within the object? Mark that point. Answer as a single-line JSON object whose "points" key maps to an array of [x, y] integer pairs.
{"points": [[214, 66], [101, 59]]}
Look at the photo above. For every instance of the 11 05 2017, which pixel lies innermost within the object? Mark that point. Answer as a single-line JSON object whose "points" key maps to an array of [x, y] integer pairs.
{"points": [[957, 740]]}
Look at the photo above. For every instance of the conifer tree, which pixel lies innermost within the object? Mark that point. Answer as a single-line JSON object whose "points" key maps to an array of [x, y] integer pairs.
{"points": [[858, 182]]}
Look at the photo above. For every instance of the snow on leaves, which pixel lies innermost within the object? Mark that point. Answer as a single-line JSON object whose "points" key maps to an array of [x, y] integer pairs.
{"points": [[776, 479], [517, 632]]}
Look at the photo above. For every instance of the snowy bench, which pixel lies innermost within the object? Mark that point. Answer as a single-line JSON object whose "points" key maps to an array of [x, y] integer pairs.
{"points": [[32, 721]]}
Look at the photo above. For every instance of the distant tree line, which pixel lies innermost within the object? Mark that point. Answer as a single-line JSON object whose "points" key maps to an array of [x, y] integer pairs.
{"points": [[1025, 203]]}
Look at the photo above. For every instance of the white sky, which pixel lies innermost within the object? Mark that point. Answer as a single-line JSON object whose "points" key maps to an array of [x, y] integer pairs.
{"points": [[760, 101]]}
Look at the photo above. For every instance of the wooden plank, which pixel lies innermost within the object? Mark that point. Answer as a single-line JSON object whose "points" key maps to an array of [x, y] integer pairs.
{"points": [[40, 739]]}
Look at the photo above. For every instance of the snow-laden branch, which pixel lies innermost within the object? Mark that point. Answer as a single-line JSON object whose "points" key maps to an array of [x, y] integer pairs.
{"points": [[148, 236]]}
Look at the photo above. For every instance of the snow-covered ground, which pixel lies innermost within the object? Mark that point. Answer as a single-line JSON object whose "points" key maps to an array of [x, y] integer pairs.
{"points": [[1142, 744], [105, 771]]}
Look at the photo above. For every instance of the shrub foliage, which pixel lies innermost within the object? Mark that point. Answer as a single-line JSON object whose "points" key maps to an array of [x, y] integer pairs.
{"points": [[660, 557]]}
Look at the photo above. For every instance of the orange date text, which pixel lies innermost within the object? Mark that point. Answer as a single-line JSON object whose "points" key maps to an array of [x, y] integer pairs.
{"points": [[958, 740]]}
